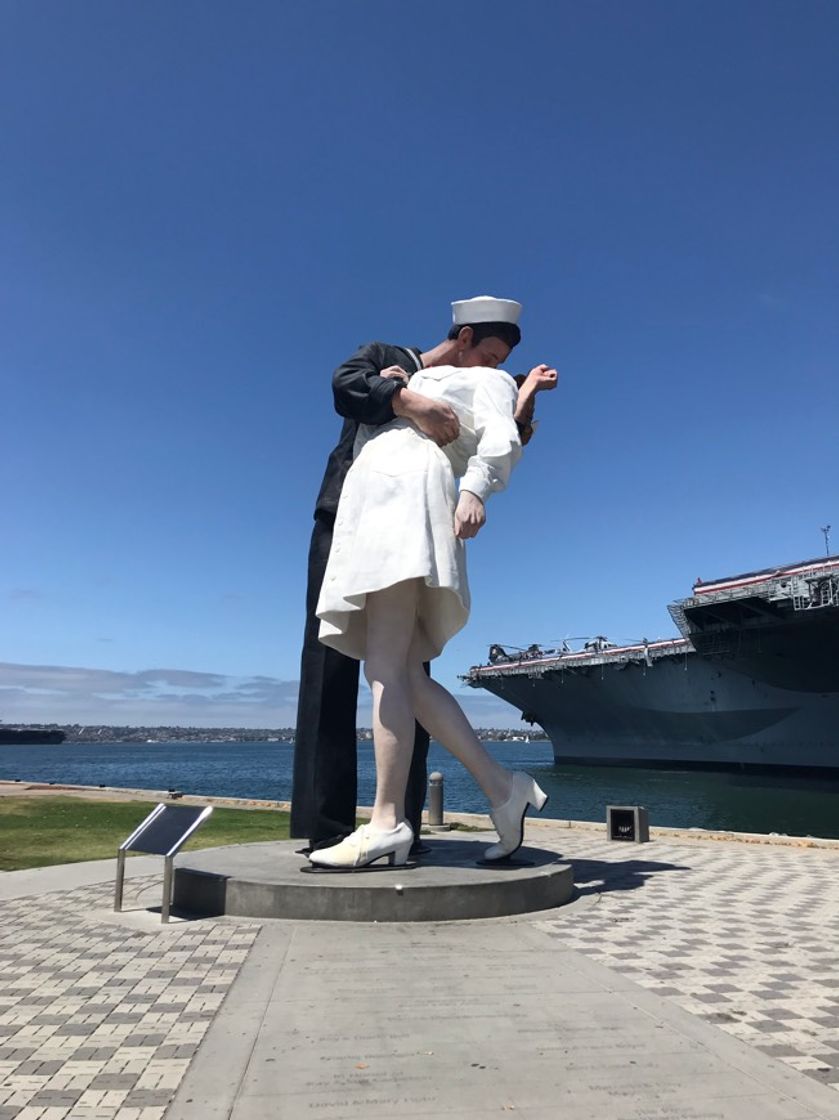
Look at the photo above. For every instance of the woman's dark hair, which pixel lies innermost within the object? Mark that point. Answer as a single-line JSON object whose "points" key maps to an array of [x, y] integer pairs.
{"points": [[509, 333]]}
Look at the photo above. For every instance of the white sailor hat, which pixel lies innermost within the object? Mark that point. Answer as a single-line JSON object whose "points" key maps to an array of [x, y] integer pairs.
{"points": [[485, 309]]}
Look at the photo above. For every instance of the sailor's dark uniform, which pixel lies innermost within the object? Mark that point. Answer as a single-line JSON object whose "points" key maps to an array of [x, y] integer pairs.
{"points": [[324, 792]]}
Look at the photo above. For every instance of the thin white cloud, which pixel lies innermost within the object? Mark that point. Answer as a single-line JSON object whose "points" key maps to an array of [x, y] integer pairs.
{"points": [[181, 678], [179, 697], [70, 694]]}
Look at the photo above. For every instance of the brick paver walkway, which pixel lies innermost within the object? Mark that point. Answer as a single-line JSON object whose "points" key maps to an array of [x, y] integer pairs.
{"points": [[97, 1020], [745, 936]]}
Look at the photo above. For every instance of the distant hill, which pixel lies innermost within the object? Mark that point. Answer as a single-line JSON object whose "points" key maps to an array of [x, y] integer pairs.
{"points": [[109, 733]]}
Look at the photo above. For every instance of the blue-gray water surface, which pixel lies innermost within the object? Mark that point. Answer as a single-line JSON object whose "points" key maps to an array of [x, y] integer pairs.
{"points": [[797, 806]]}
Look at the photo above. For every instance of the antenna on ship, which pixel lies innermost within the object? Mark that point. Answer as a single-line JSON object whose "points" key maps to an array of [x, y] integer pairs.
{"points": [[826, 531]]}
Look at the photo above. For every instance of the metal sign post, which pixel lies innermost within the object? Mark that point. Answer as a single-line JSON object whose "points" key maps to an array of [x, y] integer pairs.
{"points": [[163, 833]]}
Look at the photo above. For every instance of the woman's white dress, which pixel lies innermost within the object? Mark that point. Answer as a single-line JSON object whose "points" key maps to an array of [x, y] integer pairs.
{"points": [[395, 519]]}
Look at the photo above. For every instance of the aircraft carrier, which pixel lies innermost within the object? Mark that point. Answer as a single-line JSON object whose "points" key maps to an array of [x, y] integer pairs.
{"points": [[753, 681], [22, 736]]}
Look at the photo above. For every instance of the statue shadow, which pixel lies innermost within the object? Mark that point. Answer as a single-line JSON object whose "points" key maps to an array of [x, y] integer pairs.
{"points": [[466, 852], [591, 876], [597, 876]]}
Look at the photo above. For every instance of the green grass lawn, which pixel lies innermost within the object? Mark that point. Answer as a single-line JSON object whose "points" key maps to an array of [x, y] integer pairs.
{"points": [[39, 831]]}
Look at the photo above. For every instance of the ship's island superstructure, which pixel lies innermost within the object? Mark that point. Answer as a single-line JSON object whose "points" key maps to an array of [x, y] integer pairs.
{"points": [[753, 681]]}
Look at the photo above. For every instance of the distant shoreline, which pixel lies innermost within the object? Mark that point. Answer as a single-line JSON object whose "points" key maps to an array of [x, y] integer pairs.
{"points": [[109, 733]]}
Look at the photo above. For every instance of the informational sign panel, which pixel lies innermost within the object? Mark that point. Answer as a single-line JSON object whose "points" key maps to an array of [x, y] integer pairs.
{"points": [[163, 833], [166, 829]]}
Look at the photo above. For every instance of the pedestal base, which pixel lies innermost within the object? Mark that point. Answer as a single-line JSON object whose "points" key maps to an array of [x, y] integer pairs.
{"points": [[265, 881]]}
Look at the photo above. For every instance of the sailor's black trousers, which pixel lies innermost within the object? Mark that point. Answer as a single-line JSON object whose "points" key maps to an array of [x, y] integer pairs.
{"points": [[323, 799]]}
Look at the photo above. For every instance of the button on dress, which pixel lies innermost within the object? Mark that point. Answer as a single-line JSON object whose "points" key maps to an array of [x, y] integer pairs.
{"points": [[395, 518]]}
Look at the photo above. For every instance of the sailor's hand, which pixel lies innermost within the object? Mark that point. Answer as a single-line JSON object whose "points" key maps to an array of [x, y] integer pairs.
{"points": [[435, 418], [395, 373], [541, 377], [469, 516]]}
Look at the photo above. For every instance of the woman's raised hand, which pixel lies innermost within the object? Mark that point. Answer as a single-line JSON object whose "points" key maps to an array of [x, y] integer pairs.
{"points": [[541, 377]]}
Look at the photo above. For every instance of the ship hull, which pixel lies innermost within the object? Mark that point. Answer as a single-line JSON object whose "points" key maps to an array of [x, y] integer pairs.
{"points": [[680, 711], [29, 736]]}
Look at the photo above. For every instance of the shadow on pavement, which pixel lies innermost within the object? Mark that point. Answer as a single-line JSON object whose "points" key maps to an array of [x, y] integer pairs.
{"points": [[594, 876]]}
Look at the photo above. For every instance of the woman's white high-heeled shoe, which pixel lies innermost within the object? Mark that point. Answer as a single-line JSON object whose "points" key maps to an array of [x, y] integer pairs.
{"points": [[509, 817], [365, 846]]}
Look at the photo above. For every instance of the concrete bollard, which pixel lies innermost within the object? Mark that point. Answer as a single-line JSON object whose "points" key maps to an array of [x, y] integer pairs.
{"points": [[435, 803]]}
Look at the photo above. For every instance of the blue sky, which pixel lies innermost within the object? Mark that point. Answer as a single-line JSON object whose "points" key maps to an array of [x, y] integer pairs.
{"points": [[205, 207]]}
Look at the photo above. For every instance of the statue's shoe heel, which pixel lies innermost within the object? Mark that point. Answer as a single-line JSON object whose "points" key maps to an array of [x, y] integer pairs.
{"points": [[365, 846], [539, 798], [399, 856], [509, 817]]}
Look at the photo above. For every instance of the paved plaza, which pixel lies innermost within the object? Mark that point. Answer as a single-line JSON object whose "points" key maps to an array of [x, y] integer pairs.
{"points": [[744, 936], [100, 1018], [687, 979]]}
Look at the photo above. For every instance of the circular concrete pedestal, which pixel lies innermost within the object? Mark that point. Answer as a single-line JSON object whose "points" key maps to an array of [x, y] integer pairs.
{"points": [[265, 881]]}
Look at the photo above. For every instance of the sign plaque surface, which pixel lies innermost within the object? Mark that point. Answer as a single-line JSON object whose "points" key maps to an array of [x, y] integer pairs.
{"points": [[163, 833]]}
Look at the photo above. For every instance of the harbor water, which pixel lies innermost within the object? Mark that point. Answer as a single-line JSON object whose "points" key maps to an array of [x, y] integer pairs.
{"points": [[796, 806]]}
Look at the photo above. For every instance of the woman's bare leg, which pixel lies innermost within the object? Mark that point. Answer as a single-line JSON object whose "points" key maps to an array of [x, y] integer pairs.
{"points": [[443, 718], [391, 620]]}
